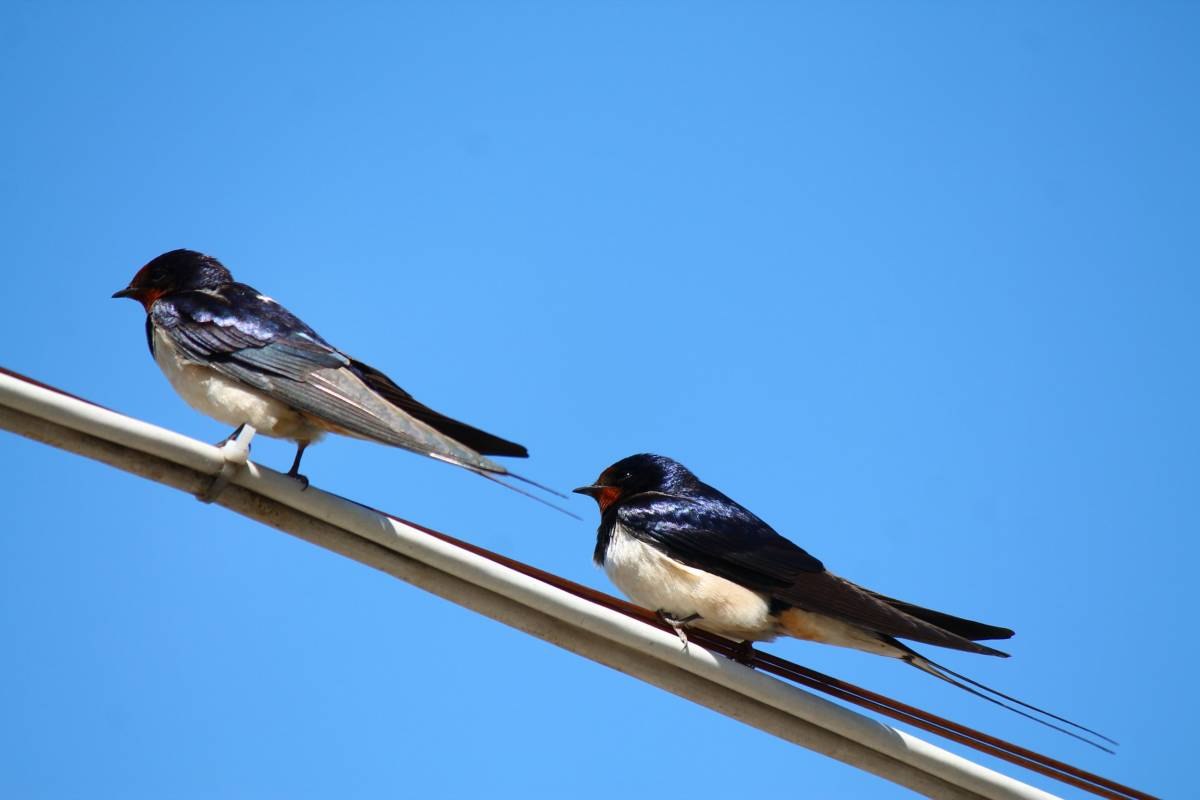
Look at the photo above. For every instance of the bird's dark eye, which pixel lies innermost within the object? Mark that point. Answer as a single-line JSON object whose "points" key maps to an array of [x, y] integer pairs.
{"points": [[626, 476]]}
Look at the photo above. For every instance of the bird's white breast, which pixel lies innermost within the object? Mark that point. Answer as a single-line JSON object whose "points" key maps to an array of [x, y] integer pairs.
{"points": [[653, 579], [227, 400]]}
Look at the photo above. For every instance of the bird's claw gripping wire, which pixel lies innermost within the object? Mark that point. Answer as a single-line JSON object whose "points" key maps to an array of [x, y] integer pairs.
{"points": [[744, 653], [294, 472], [236, 452], [678, 625]]}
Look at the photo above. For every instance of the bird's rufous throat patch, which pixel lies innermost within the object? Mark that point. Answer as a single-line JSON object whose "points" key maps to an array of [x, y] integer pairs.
{"points": [[147, 297], [607, 496]]}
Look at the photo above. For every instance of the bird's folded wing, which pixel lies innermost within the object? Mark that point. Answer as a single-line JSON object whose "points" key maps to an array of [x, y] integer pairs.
{"points": [[725, 539], [826, 593], [296, 367], [478, 440], [967, 628], [719, 536]]}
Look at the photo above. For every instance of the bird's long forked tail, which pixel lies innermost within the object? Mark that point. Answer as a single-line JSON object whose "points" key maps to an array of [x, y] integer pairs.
{"points": [[494, 477], [531, 495], [993, 696]]}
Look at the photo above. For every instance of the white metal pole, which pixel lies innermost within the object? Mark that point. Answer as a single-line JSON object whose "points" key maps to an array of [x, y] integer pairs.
{"points": [[501, 593]]}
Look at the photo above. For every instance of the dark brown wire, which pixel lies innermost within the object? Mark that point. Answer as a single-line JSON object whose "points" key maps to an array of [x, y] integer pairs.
{"points": [[977, 740], [780, 667]]}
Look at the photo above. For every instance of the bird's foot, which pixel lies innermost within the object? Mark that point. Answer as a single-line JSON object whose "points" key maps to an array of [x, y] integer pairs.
{"points": [[744, 653], [678, 624], [294, 472], [303, 479], [236, 433]]}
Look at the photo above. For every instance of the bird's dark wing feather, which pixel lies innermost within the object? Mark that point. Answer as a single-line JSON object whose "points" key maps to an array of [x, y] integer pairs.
{"points": [[243, 335], [237, 325], [717, 535], [966, 628], [477, 440]]}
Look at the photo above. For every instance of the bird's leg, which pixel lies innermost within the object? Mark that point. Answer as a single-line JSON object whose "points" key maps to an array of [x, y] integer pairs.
{"points": [[236, 432], [743, 653], [678, 624], [294, 472]]}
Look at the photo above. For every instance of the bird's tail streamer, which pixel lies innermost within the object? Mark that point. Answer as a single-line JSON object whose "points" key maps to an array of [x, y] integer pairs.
{"points": [[495, 475], [494, 479], [994, 696]]}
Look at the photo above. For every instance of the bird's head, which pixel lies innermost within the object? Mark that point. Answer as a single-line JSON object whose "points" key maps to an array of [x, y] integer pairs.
{"points": [[637, 474], [176, 271]]}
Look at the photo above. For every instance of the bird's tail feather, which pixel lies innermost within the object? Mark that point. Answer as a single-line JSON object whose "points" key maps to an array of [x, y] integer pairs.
{"points": [[966, 628], [480, 441], [495, 479], [534, 483], [993, 696], [495, 475]]}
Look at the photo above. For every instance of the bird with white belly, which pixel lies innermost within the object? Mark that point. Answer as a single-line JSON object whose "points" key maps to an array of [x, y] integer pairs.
{"points": [[240, 357], [681, 548]]}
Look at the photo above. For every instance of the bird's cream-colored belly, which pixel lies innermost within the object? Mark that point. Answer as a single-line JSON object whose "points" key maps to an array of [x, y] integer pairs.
{"points": [[660, 583], [653, 579], [829, 630], [229, 401]]}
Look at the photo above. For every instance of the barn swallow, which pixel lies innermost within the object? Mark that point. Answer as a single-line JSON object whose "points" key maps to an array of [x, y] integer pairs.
{"points": [[240, 357], [678, 546]]}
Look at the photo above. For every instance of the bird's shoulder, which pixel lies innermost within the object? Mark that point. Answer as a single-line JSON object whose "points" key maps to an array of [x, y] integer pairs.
{"points": [[708, 530], [238, 326], [237, 313], [234, 305]]}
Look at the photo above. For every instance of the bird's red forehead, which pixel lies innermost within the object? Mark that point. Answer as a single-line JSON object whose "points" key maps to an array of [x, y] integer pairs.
{"points": [[610, 493], [144, 294], [609, 476]]}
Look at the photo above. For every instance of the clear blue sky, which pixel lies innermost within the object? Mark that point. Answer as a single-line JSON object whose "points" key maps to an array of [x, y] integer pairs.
{"points": [[916, 284]]}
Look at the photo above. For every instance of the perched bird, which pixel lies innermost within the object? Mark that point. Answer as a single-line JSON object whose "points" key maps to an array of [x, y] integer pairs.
{"points": [[240, 357], [676, 545]]}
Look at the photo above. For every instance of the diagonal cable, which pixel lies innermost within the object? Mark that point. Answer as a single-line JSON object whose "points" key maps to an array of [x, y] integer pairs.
{"points": [[149, 442]]}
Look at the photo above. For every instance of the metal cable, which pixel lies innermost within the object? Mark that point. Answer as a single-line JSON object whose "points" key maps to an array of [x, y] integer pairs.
{"points": [[789, 670], [198, 458]]}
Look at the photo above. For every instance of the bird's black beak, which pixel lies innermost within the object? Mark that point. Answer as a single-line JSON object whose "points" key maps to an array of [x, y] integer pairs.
{"points": [[590, 491], [128, 291]]}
